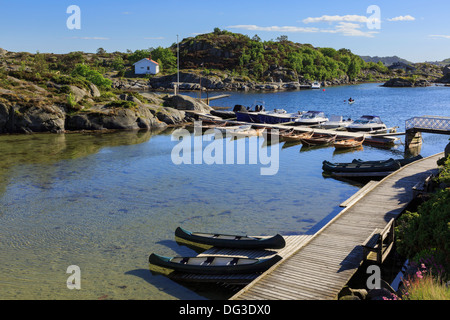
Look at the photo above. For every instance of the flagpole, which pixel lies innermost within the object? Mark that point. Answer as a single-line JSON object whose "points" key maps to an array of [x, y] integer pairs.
{"points": [[178, 67]]}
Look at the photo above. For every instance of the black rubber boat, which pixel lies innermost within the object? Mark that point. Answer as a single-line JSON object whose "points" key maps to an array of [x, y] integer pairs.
{"points": [[385, 166], [403, 162], [231, 241], [214, 264]]}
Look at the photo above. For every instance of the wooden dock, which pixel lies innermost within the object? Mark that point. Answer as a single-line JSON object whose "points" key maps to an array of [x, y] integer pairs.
{"points": [[376, 139], [323, 264]]}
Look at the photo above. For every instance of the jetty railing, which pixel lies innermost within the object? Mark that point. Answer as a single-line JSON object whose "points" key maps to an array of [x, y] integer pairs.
{"points": [[429, 123]]}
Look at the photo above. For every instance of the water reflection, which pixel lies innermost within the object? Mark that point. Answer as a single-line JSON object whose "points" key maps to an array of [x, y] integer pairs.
{"points": [[47, 149]]}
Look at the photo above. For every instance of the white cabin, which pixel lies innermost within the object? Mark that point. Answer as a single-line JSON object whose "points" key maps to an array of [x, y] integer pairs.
{"points": [[146, 66]]}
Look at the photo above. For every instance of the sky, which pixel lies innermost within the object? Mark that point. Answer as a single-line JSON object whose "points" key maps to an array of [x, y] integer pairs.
{"points": [[414, 30]]}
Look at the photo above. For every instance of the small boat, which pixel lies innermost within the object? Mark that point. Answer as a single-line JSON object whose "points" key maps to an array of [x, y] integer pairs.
{"points": [[385, 166], [241, 131], [403, 162], [319, 140], [315, 85], [214, 264], [278, 116], [231, 241], [311, 118], [336, 122], [367, 124], [277, 132], [293, 137], [349, 143]]}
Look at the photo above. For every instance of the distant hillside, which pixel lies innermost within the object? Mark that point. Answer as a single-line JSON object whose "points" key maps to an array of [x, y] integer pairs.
{"points": [[272, 61], [387, 61], [442, 63]]}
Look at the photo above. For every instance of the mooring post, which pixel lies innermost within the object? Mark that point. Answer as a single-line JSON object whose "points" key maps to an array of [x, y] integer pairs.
{"points": [[413, 141]]}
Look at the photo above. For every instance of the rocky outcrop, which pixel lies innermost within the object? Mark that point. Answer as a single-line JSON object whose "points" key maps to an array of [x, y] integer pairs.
{"points": [[114, 119], [406, 82], [27, 119], [181, 102], [22, 111]]}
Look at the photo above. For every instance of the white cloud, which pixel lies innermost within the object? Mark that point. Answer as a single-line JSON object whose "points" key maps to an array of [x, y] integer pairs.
{"points": [[403, 18], [351, 29], [336, 18], [344, 28], [439, 36]]}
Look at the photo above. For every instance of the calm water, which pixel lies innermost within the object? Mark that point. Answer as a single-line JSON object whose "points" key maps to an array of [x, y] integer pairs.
{"points": [[104, 202]]}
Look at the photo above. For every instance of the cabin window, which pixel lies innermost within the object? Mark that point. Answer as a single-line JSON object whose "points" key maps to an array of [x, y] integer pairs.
{"points": [[148, 68]]}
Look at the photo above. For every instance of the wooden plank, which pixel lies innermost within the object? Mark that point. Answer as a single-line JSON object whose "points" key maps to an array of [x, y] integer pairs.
{"points": [[361, 193]]}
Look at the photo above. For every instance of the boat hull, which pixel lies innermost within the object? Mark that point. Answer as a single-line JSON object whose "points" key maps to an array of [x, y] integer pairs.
{"points": [[214, 264], [314, 141], [387, 166], [232, 241]]}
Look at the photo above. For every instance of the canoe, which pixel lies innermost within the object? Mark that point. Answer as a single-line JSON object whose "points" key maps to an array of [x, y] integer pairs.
{"points": [[403, 162], [291, 137], [324, 139], [232, 241], [389, 165], [349, 143], [277, 132], [214, 264]]}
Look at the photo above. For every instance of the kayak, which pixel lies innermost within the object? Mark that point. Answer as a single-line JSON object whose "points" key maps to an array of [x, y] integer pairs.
{"points": [[214, 264], [232, 241]]}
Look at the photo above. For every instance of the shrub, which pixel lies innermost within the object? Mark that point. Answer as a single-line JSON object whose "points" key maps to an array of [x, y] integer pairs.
{"points": [[427, 229], [91, 75], [121, 104]]}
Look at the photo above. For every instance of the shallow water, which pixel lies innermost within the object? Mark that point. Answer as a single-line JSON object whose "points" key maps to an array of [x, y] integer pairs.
{"points": [[104, 202]]}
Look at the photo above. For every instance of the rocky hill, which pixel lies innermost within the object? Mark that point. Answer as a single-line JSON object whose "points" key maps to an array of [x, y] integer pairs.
{"points": [[387, 61]]}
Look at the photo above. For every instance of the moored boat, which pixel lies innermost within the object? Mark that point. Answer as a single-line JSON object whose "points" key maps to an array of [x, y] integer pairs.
{"points": [[278, 116], [311, 118], [232, 241], [367, 124], [385, 166], [315, 85], [403, 162], [214, 264], [292, 137], [336, 122], [349, 143], [319, 140]]}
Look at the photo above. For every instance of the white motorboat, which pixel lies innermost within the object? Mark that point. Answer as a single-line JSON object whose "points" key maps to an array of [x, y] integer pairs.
{"points": [[336, 122], [278, 116], [315, 85], [312, 118], [367, 124]]}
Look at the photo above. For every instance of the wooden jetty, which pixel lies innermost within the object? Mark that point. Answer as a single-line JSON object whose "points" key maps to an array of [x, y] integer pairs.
{"points": [[321, 267], [371, 138]]}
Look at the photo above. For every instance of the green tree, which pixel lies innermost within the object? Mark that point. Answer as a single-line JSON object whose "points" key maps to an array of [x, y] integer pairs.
{"points": [[82, 70], [166, 57]]}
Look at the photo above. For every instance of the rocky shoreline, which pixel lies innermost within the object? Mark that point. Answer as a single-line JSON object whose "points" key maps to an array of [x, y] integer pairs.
{"points": [[279, 79], [27, 108]]}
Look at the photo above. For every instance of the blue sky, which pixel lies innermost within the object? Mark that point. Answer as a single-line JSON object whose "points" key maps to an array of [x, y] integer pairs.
{"points": [[414, 30]]}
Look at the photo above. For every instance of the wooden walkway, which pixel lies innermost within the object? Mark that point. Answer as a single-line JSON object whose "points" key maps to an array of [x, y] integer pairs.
{"points": [[320, 268]]}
